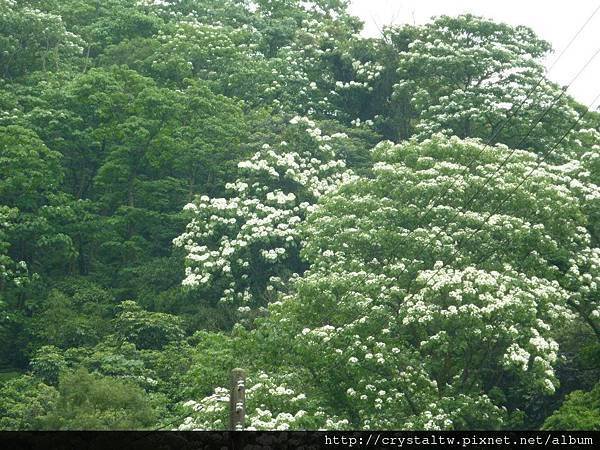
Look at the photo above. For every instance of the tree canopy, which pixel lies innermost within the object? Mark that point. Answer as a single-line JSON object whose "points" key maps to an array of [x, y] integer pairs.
{"points": [[386, 233]]}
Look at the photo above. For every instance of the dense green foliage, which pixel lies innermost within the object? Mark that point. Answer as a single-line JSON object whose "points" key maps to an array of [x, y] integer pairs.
{"points": [[88, 402], [187, 186], [580, 411]]}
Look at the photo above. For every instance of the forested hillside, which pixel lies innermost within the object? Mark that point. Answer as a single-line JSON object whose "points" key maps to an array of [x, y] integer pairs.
{"points": [[390, 233]]}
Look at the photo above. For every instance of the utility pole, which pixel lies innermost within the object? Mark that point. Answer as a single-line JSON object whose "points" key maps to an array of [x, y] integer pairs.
{"points": [[237, 400]]}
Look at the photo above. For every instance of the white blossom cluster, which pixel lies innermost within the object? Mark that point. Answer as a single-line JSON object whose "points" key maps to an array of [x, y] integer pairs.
{"points": [[270, 405], [49, 28], [569, 187], [363, 351], [365, 73], [241, 244], [486, 308], [414, 327], [304, 83], [454, 82], [213, 51], [295, 78], [425, 278]]}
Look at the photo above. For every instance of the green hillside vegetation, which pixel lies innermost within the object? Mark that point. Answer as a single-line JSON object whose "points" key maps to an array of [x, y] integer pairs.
{"points": [[390, 233]]}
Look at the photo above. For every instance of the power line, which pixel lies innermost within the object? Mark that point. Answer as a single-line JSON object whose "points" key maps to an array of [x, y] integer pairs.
{"points": [[494, 135], [574, 38], [432, 200], [511, 115], [525, 178], [508, 157], [432, 203]]}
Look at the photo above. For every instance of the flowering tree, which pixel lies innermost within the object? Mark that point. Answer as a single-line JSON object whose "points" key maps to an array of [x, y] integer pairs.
{"points": [[240, 247], [293, 57], [383, 310], [468, 76], [270, 405], [445, 321], [244, 245], [33, 40]]}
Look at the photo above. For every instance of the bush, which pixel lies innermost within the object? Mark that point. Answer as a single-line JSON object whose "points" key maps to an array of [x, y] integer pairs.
{"points": [[580, 411], [23, 400], [93, 402]]}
